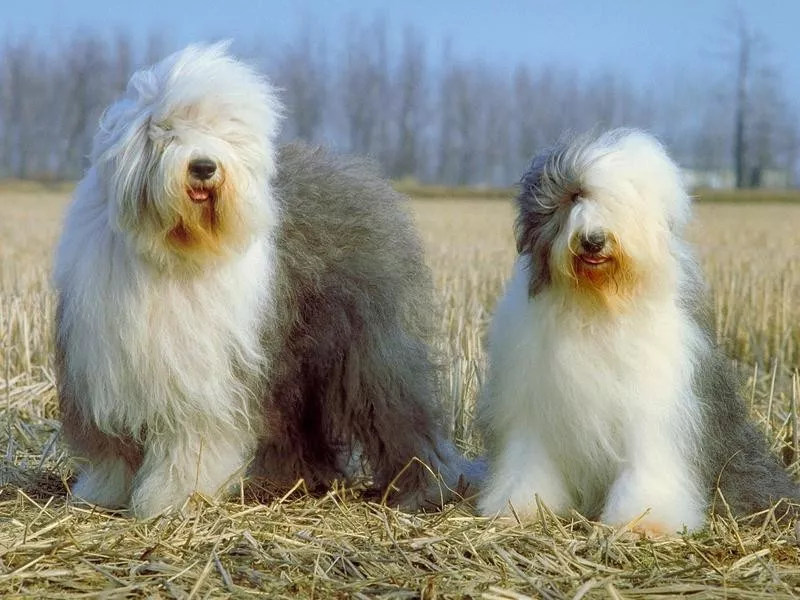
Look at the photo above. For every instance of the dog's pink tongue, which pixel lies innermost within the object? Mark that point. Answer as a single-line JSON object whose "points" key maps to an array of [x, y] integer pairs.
{"points": [[198, 195], [595, 260]]}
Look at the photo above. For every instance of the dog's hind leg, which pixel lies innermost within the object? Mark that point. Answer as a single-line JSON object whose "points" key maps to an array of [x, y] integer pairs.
{"points": [[283, 459], [743, 474], [751, 478], [389, 408], [296, 442]]}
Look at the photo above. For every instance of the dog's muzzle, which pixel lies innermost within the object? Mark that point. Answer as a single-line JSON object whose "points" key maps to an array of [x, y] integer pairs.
{"points": [[592, 247], [201, 170]]}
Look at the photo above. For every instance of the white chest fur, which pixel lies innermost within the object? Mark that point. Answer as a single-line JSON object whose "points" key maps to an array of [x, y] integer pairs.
{"points": [[148, 349], [588, 390]]}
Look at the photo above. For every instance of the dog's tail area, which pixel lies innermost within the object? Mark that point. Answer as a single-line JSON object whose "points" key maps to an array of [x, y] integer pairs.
{"points": [[752, 480], [744, 476], [442, 477], [465, 476]]}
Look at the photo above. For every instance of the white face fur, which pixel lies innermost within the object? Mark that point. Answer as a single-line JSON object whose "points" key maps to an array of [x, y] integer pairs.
{"points": [[185, 157]]}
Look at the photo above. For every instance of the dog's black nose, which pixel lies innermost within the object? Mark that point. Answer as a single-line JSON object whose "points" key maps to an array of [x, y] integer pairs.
{"points": [[593, 242], [202, 168]]}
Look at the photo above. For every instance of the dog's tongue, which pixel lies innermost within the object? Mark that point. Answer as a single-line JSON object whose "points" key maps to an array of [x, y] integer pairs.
{"points": [[198, 195], [595, 260]]}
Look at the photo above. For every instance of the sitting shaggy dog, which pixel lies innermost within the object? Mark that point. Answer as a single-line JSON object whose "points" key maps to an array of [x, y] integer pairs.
{"points": [[222, 304], [605, 393]]}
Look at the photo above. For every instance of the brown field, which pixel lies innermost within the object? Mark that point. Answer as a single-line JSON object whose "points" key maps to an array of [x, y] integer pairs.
{"points": [[341, 547]]}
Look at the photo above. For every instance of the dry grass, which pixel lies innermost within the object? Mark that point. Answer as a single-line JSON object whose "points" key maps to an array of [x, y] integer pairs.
{"points": [[748, 196], [340, 546]]}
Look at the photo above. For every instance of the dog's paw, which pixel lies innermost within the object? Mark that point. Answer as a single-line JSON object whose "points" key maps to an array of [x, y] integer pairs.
{"points": [[153, 497], [101, 487]]}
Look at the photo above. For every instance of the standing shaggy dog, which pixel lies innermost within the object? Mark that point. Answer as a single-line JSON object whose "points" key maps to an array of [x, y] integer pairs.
{"points": [[222, 303], [604, 392]]}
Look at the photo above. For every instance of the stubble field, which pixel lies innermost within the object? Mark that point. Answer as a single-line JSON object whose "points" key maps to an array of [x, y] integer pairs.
{"points": [[339, 546]]}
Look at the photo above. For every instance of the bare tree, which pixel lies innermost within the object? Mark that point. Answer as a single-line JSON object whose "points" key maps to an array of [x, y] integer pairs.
{"points": [[363, 86], [446, 145], [51, 98], [122, 62], [764, 122], [772, 131], [27, 110], [18, 60], [87, 87], [743, 65], [469, 104], [155, 48], [496, 154], [302, 76], [524, 108], [412, 116]]}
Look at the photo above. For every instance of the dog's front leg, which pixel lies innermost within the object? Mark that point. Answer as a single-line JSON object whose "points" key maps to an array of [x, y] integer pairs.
{"points": [[657, 477], [176, 466], [523, 470]]}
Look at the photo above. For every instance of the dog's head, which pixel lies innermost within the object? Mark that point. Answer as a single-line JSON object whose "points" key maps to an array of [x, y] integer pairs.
{"points": [[185, 157], [601, 217]]}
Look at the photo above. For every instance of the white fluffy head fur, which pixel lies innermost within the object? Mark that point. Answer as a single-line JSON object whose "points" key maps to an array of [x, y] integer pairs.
{"points": [[198, 103], [601, 217]]}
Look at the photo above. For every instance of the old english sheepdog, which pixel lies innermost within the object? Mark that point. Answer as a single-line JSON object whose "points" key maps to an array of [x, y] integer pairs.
{"points": [[604, 392], [224, 303]]}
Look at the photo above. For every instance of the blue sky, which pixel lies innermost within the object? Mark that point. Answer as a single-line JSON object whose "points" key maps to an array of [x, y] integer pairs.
{"points": [[640, 39]]}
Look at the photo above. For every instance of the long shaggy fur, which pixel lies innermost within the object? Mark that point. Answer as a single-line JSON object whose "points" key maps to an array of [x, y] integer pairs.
{"points": [[277, 309], [355, 308], [604, 391]]}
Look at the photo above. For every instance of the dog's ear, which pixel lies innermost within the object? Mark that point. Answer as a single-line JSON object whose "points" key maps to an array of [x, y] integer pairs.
{"points": [[533, 176], [527, 203]]}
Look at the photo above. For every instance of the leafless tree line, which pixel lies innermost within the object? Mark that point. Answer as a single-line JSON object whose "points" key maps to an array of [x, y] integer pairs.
{"points": [[52, 94], [433, 116]]}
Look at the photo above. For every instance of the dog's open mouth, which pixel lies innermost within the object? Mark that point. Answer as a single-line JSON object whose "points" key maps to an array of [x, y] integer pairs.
{"points": [[200, 195], [594, 260]]}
